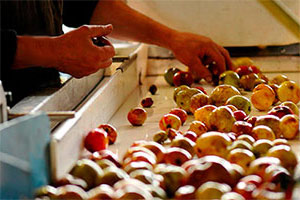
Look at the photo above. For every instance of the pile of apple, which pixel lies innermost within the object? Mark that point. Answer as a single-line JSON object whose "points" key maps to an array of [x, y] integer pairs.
{"points": [[224, 154]]}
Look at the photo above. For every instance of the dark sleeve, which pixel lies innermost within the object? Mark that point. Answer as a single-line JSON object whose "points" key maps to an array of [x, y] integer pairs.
{"points": [[8, 50], [77, 13]]}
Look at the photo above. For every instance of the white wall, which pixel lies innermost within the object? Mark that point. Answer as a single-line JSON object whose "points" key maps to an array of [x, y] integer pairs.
{"points": [[228, 22]]}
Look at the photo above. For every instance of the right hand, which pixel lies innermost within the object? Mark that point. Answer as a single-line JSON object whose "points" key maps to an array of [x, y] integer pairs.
{"points": [[78, 56]]}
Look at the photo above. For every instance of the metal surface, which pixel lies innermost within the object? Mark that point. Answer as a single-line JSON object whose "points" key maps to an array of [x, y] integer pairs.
{"points": [[3, 107], [53, 116]]}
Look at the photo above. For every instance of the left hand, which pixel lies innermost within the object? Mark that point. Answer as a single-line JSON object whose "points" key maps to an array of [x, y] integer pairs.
{"points": [[197, 51]]}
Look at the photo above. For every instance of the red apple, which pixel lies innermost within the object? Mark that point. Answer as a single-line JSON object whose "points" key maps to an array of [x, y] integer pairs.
{"points": [[239, 115], [137, 116], [111, 132], [254, 69], [169, 121], [183, 78], [191, 135], [106, 154], [147, 102], [280, 111], [243, 70], [96, 140], [201, 89], [177, 156], [241, 127], [180, 113]]}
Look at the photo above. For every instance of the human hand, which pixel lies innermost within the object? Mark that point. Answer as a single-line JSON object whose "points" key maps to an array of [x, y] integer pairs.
{"points": [[78, 55], [197, 52]]}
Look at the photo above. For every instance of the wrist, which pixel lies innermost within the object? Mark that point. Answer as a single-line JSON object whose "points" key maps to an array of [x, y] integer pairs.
{"points": [[34, 51]]}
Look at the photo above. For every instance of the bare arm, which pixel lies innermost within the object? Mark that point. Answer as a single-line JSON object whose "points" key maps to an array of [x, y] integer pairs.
{"points": [[73, 53], [193, 50]]}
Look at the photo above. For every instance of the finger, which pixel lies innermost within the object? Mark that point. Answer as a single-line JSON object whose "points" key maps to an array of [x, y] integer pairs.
{"points": [[200, 70], [98, 30], [219, 60], [105, 52], [226, 55], [105, 64]]}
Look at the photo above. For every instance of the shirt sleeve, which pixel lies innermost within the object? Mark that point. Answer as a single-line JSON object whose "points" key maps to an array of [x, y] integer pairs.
{"points": [[77, 13], [8, 50]]}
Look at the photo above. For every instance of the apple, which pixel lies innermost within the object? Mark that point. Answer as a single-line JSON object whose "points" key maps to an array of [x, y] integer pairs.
{"points": [[202, 114], [177, 156], [232, 108], [169, 121], [46, 191], [278, 175], [259, 165], [212, 190], [101, 192], [245, 189], [111, 132], [185, 192], [183, 78], [157, 192], [169, 74], [246, 138], [280, 141], [261, 147], [242, 157], [147, 102], [178, 89], [87, 170], [289, 126], [271, 121], [201, 89], [132, 166], [180, 113], [96, 140], [104, 163], [255, 69], [221, 93], [209, 168], [136, 149], [263, 132], [191, 135], [146, 176], [251, 120], [240, 144], [111, 175], [289, 91], [248, 81], [153, 89], [275, 89], [292, 106], [198, 127], [212, 143], [174, 177], [172, 133], [70, 180], [262, 97], [221, 119], [158, 149], [242, 61], [241, 127], [160, 137], [280, 78], [106, 154], [240, 102], [243, 70], [133, 191], [197, 101], [232, 196], [280, 111], [140, 156], [137, 116], [239, 115], [183, 98], [229, 78], [185, 144], [71, 192], [286, 156]]}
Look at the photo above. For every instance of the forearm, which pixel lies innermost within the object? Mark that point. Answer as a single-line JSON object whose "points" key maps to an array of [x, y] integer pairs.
{"points": [[34, 51], [132, 25]]}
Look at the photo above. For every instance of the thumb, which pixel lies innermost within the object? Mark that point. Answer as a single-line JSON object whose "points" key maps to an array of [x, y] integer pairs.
{"points": [[99, 30], [200, 70]]}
